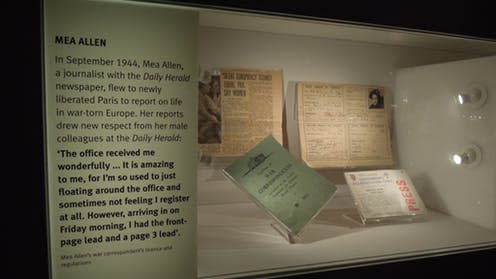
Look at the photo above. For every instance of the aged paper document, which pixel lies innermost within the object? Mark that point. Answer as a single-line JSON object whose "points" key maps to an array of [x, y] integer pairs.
{"points": [[237, 109], [343, 125], [384, 194]]}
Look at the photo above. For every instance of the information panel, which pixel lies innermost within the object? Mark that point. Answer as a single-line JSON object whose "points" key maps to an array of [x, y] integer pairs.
{"points": [[121, 139]]}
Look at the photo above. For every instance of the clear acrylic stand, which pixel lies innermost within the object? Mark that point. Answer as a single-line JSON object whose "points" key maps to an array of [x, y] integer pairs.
{"points": [[360, 220], [286, 234], [384, 197]]}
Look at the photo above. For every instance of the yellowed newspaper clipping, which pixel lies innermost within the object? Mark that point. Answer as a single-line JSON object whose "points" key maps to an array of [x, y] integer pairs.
{"points": [[237, 109], [343, 125]]}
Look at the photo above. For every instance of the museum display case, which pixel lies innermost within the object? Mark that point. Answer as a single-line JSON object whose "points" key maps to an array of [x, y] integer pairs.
{"points": [[425, 73], [436, 125]]}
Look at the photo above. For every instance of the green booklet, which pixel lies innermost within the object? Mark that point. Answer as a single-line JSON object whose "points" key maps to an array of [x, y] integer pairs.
{"points": [[290, 191]]}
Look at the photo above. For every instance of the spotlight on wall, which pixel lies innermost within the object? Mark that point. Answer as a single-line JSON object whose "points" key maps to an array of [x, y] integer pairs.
{"points": [[471, 98], [468, 157]]}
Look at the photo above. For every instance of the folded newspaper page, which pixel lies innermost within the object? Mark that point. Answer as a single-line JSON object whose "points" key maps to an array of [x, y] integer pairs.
{"points": [[237, 109]]}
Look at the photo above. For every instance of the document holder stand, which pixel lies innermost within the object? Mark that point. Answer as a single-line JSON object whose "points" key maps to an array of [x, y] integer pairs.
{"points": [[286, 233], [289, 236], [358, 219], [383, 197]]}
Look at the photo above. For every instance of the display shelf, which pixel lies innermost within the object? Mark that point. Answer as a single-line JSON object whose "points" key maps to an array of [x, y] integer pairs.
{"points": [[236, 240]]}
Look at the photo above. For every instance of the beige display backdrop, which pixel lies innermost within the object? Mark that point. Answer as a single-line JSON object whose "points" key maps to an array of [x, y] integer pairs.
{"points": [[121, 132]]}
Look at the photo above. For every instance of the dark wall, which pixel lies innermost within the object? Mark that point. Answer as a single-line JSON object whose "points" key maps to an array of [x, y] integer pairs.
{"points": [[24, 202], [465, 18], [26, 248]]}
